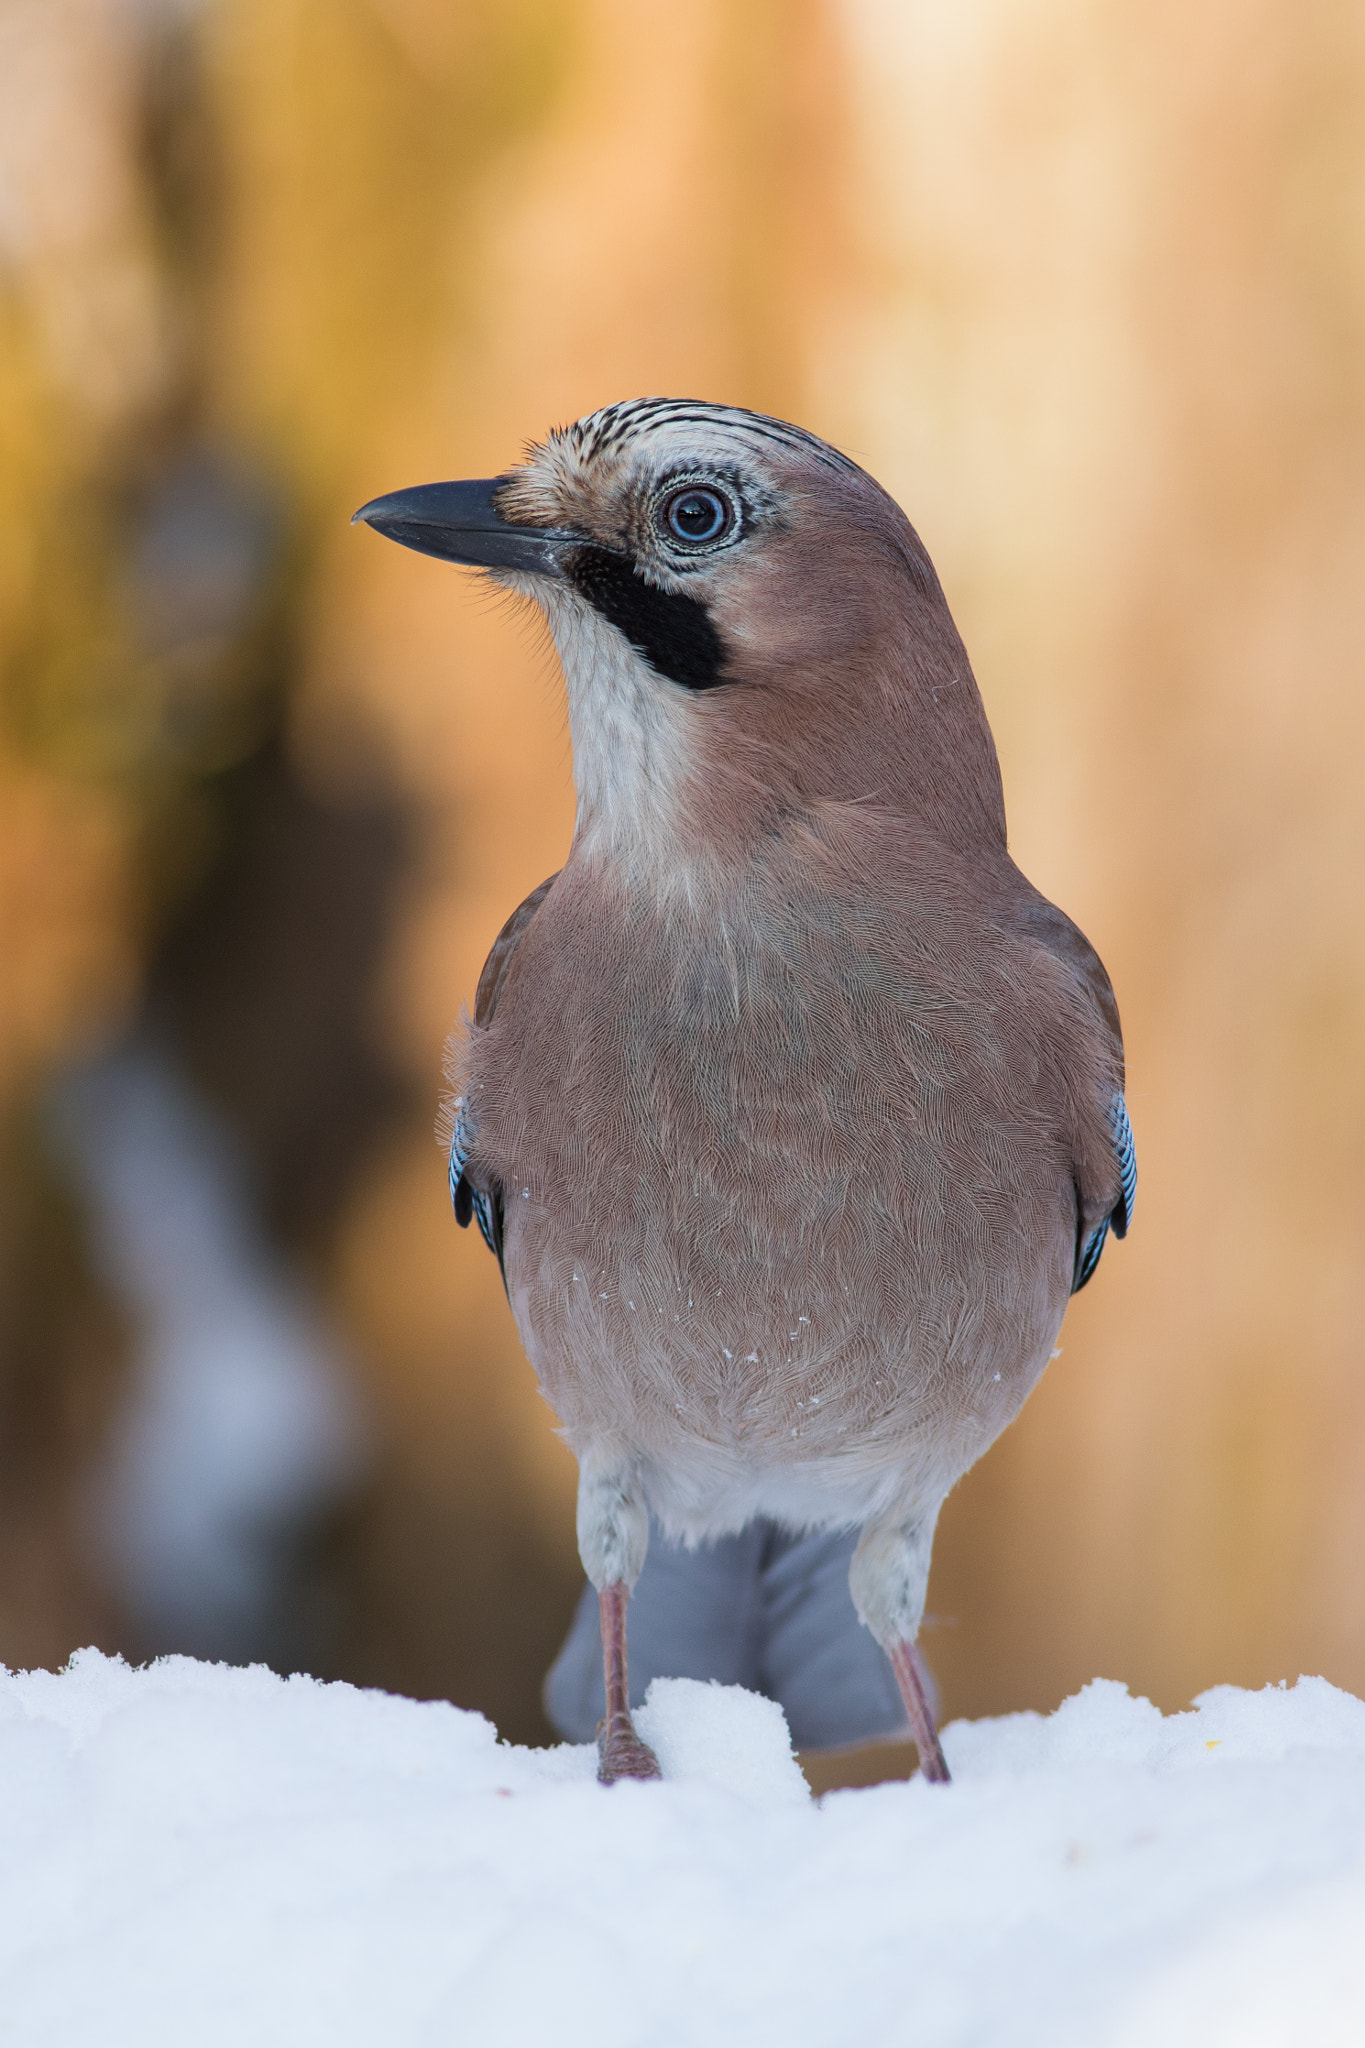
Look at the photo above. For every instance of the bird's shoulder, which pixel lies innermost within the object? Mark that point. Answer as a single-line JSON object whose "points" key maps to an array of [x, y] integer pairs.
{"points": [[1104, 1155], [1051, 928], [500, 956], [483, 1203]]}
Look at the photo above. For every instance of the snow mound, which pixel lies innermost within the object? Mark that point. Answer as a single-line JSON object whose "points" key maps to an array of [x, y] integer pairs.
{"points": [[722, 1735], [195, 1853]]}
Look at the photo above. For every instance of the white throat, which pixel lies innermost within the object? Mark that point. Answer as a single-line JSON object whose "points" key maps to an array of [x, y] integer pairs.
{"points": [[631, 733]]}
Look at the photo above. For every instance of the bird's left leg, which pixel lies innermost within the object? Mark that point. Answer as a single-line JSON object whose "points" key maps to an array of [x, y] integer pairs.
{"points": [[888, 1579], [613, 1535]]}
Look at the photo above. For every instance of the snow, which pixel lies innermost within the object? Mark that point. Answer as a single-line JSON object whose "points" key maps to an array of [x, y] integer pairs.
{"points": [[197, 1853]]}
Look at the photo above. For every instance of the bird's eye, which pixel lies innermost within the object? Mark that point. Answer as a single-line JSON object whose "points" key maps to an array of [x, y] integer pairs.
{"points": [[698, 515]]}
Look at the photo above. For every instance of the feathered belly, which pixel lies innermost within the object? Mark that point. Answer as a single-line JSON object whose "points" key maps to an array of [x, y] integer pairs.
{"points": [[818, 1388], [780, 1226]]}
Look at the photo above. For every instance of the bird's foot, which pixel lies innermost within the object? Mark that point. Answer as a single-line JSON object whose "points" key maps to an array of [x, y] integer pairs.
{"points": [[621, 1753], [932, 1762]]}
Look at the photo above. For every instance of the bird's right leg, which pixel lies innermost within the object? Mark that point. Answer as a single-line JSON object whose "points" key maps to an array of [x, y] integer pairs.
{"points": [[888, 1579], [613, 1535]]}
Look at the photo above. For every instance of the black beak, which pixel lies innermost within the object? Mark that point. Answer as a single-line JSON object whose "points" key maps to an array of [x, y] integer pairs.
{"points": [[460, 523]]}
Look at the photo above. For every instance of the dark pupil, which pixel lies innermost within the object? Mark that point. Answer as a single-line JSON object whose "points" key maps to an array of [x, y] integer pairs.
{"points": [[697, 515]]}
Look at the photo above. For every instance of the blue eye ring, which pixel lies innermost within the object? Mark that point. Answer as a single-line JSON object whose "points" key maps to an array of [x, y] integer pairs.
{"points": [[699, 515]]}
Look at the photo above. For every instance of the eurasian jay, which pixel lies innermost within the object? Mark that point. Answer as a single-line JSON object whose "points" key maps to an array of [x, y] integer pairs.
{"points": [[792, 1112]]}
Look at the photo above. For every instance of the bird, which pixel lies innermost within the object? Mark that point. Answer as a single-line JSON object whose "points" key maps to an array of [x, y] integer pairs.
{"points": [[792, 1112]]}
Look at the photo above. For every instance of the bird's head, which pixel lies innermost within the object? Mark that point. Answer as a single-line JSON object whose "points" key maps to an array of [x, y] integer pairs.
{"points": [[746, 621]]}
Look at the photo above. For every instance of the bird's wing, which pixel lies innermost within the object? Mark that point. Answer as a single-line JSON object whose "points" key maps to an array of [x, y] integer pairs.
{"points": [[1090, 1244], [485, 1207], [504, 946], [1066, 942]]}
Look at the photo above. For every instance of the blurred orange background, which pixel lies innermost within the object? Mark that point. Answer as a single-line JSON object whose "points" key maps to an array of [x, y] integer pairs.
{"points": [[1085, 289]]}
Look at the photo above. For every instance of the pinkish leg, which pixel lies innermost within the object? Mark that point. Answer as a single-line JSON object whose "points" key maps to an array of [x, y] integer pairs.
{"points": [[620, 1752], [910, 1677]]}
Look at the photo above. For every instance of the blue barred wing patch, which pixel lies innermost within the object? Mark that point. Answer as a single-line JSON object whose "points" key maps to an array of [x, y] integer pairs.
{"points": [[1127, 1158], [465, 1200], [1090, 1257], [1121, 1215], [459, 1152], [483, 1216]]}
